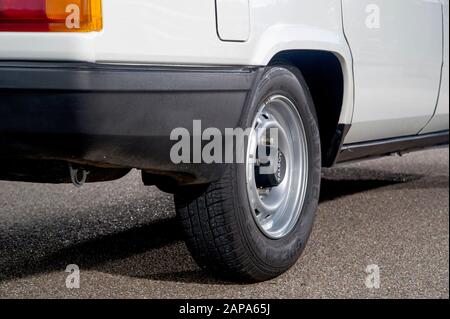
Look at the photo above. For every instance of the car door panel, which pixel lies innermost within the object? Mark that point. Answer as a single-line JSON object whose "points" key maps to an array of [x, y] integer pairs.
{"points": [[440, 121], [397, 53]]}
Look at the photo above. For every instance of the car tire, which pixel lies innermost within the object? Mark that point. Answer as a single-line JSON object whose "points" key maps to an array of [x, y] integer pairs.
{"points": [[224, 231]]}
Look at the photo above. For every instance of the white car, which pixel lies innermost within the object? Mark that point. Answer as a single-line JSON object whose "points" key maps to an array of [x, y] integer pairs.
{"points": [[90, 89]]}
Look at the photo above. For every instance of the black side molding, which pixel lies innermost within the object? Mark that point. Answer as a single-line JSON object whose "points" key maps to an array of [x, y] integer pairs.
{"points": [[92, 77], [368, 150]]}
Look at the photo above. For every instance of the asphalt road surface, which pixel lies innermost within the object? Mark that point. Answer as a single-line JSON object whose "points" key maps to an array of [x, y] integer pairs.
{"points": [[392, 212]]}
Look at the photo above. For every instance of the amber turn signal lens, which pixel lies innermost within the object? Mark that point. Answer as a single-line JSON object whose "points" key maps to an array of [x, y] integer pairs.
{"points": [[50, 15]]}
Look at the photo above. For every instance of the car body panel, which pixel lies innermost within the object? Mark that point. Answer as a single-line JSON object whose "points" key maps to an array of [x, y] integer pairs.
{"points": [[397, 58], [440, 120]]}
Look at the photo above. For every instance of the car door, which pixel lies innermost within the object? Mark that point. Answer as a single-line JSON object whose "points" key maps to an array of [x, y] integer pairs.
{"points": [[440, 121], [397, 59]]}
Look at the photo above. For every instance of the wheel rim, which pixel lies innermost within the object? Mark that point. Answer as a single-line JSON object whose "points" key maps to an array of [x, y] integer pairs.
{"points": [[277, 199]]}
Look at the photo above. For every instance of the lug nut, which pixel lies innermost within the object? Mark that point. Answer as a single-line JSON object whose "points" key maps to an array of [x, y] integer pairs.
{"points": [[265, 140]]}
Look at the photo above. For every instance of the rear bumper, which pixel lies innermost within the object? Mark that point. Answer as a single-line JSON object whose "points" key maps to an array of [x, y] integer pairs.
{"points": [[116, 116]]}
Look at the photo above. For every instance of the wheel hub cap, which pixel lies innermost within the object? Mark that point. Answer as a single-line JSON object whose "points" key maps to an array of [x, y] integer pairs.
{"points": [[277, 171]]}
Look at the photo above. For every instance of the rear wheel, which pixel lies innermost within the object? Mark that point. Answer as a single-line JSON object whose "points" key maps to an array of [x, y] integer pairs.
{"points": [[253, 224]]}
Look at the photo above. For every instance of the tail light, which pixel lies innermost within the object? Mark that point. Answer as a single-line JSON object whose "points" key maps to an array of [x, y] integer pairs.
{"points": [[50, 15]]}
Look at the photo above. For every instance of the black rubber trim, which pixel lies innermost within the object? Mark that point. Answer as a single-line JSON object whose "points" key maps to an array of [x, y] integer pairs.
{"points": [[368, 150], [117, 116], [111, 77], [330, 157]]}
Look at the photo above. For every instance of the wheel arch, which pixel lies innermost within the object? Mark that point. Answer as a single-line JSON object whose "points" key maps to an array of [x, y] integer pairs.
{"points": [[326, 75]]}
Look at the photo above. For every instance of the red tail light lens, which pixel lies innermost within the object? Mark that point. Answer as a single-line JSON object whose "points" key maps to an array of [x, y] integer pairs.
{"points": [[23, 15], [50, 15]]}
